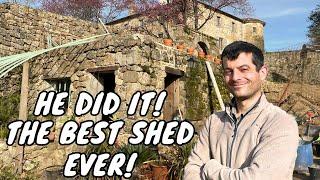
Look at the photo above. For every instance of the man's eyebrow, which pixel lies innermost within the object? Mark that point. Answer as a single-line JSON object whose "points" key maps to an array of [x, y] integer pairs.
{"points": [[242, 66]]}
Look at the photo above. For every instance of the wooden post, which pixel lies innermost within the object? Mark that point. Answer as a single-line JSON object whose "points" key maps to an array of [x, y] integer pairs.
{"points": [[23, 108], [215, 85]]}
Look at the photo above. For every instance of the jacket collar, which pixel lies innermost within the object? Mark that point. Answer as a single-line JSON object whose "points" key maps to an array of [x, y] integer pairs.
{"points": [[231, 108]]}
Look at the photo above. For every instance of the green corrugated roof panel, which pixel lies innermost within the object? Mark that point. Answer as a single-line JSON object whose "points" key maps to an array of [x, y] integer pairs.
{"points": [[8, 63]]}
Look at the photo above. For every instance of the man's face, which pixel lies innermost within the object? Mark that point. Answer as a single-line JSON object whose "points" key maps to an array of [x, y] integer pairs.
{"points": [[241, 76]]}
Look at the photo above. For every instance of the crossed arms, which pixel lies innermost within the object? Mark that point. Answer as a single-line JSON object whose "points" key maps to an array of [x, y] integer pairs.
{"points": [[273, 157]]}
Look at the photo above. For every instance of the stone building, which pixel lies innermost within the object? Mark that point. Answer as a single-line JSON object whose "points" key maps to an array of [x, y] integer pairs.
{"points": [[227, 28], [223, 27], [123, 62], [24, 29], [120, 64]]}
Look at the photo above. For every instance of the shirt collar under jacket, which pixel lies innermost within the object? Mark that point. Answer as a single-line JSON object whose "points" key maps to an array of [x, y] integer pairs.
{"points": [[231, 108]]}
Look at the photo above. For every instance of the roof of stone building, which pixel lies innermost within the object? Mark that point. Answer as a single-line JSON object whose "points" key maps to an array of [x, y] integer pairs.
{"points": [[243, 20], [126, 18], [253, 20]]}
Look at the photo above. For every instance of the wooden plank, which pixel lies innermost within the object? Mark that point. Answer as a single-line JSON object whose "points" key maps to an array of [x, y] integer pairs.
{"points": [[107, 69], [169, 106], [215, 85], [47, 78], [171, 70]]}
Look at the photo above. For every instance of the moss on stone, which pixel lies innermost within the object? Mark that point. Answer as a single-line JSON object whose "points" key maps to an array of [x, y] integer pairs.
{"points": [[222, 88], [201, 99], [8, 111]]}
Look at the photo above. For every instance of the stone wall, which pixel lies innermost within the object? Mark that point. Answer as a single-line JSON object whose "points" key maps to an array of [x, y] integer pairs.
{"points": [[178, 33], [135, 60], [302, 69], [138, 63], [23, 29], [311, 67], [283, 64], [301, 66]]}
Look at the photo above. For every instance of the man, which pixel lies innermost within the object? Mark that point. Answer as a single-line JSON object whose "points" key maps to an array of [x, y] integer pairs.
{"points": [[251, 139]]}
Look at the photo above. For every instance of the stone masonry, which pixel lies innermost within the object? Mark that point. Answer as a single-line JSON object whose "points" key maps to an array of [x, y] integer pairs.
{"points": [[302, 66], [137, 61], [23, 29]]}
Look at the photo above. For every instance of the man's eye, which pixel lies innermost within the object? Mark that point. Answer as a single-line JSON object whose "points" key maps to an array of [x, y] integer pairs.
{"points": [[227, 72], [244, 70]]}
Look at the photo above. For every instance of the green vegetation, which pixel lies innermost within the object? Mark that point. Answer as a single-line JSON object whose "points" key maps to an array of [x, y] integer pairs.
{"points": [[197, 85], [8, 173], [175, 159], [8, 111], [222, 88], [181, 160], [101, 148], [187, 30], [196, 104], [145, 153], [314, 28]]}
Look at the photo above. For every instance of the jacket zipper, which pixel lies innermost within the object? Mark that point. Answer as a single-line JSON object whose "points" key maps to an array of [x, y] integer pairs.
{"points": [[234, 136]]}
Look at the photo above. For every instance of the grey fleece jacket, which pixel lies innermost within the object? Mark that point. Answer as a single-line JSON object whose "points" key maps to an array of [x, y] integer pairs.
{"points": [[261, 145]]}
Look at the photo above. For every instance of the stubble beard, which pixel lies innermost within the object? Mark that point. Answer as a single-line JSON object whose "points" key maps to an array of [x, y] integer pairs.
{"points": [[252, 92]]}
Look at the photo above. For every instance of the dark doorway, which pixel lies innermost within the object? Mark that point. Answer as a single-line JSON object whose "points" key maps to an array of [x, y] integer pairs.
{"points": [[109, 84], [172, 101]]}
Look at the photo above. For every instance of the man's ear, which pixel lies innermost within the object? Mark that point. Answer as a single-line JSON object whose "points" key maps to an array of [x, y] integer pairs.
{"points": [[263, 72]]}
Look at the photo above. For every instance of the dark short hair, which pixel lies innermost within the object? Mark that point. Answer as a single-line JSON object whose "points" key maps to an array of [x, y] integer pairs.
{"points": [[232, 51]]}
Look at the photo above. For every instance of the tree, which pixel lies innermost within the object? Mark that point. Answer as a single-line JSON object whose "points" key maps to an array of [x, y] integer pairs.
{"points": [[181, 10], [314, 28], [189, 13], [107, 10], [240, 7]]}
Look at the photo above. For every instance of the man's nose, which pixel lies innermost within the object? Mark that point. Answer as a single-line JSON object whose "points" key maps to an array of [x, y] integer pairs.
{"points": [[236, 75]]}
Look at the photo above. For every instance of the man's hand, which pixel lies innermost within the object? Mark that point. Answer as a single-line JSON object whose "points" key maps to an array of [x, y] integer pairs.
{"points": [[210, 167]]}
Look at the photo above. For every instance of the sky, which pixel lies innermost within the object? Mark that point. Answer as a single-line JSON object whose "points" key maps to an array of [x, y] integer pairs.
{"points": [[286, 22]]}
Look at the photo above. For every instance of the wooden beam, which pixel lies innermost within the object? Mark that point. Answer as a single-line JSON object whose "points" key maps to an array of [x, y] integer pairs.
{"points": [[107, 69], [215, 85], [48, 78], [174, 71], [23, 108]]}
